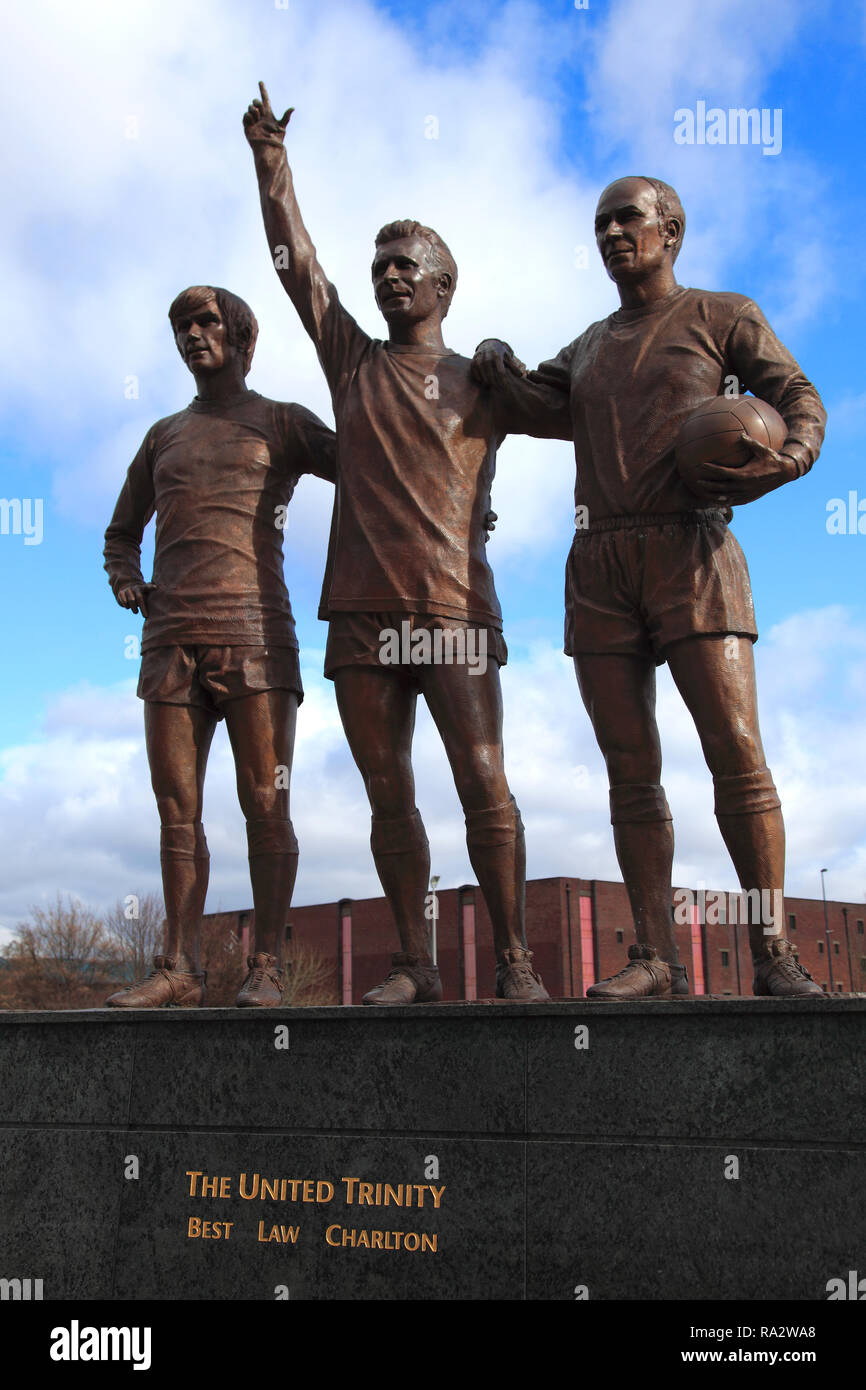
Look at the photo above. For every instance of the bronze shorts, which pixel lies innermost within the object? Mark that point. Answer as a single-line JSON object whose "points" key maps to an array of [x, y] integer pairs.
{"points": [[354, 639], [209, 676], [635, 589]]}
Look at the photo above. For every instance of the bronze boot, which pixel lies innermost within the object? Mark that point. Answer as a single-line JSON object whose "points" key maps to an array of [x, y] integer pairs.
{"points": [[779, 973], [645, 977], [263, 987], [166, 987], [680, 982], [516, 980], [407, 982]]}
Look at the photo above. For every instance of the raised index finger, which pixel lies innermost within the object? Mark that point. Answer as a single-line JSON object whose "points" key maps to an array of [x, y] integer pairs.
{"points": [[265, 98]]}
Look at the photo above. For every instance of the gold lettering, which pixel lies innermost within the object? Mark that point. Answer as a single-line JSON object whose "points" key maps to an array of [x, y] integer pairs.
{"points": [[261, 1236], [394, 1195], [350, 1189], [192, 1177], [226, 1189], [193, 1228], [308, 1191], [365, 1194], [248, 1196], [353, 1237], [323, 1195], [269, 1189], [436, 1193], [209, 1187]]}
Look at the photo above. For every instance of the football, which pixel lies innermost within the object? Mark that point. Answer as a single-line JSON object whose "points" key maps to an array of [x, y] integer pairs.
{"points": [[714, 432]]}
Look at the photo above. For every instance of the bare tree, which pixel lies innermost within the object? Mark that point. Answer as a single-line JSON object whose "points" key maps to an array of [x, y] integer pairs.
{"points": [[309, 978], [60, 958], [136, 926]]}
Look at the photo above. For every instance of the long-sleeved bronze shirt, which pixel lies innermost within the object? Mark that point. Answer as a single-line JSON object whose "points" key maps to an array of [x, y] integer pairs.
{"points": [[215, 475]]}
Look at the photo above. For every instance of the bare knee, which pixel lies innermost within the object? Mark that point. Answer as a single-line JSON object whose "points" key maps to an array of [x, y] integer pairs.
{"points": [[264, 801], [479, 777], [177, 806], [734, 750], [390, 788]]}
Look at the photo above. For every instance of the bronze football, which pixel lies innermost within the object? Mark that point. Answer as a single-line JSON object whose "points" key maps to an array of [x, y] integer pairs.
{"points": [[714, 432]]}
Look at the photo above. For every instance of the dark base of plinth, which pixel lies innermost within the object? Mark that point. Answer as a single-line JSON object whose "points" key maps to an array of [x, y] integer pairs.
{"points": [[699, 1149]]}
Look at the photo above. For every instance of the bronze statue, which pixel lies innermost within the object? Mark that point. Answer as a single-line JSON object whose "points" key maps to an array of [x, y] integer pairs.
{"points": [[655, 575], [219, 637], [408, 584]]}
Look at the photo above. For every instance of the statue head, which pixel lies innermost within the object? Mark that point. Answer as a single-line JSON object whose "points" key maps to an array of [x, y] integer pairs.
{"points": [[639, 225], [207, 321], [414, 273]]}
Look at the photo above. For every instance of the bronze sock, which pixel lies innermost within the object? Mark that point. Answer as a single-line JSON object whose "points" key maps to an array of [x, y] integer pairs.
{"points": [[273, 857], [644, 840], [185, 864], [401, 853], [749, 814], [497, 852]]}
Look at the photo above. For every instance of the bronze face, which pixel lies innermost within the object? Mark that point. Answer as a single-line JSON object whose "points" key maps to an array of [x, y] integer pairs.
{"points": [[202, 340], [407, 288]]}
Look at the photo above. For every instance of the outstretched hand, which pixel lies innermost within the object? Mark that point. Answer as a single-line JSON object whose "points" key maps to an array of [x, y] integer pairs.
{"points": [[261, 126], [493, 361], [762, 473]]}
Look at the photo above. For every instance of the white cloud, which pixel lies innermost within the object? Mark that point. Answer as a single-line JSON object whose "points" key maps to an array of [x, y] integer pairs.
{"points": [[102, 230], [652, 58]]}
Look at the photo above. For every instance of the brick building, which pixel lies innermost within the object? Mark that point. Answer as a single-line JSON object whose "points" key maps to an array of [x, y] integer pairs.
{"points": [[579, 930]]}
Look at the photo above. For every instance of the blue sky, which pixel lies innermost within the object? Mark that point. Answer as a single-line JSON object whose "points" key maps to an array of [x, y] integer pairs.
{"points": [[133, 179]]}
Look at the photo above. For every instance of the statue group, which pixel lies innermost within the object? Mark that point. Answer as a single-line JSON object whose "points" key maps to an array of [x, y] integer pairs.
{"points": [[653, 575]]}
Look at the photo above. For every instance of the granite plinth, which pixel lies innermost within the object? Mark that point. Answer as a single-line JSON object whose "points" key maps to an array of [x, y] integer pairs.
{"points": [[660, 1150]]}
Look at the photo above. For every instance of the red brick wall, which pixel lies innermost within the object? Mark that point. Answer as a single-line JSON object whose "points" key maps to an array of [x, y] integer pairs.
{"points": [[549, 903]]}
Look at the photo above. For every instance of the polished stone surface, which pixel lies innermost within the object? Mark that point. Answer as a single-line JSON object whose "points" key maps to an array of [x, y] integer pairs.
{"points": [[357, 1073], [479, 1188], [658, 1222], [60, 1193], [601, 1165]]}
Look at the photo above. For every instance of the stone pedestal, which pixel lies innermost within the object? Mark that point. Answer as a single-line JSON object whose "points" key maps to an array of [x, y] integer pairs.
{"points": [[702, 1149]]}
